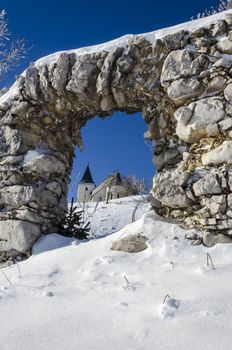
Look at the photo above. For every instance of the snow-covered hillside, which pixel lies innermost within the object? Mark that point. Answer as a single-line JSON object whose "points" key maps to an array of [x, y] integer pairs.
{"points": [[108, 218], [75, 295]]}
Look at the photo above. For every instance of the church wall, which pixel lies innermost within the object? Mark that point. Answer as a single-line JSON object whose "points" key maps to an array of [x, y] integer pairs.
{"points": [[84, 192]]}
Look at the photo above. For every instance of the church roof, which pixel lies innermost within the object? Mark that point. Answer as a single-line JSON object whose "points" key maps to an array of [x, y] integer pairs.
{"points": [[116, 180], [87, 177]]}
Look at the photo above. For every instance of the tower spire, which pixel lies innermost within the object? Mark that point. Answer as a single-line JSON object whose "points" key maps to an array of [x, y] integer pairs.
{"points": [[87, 177]]}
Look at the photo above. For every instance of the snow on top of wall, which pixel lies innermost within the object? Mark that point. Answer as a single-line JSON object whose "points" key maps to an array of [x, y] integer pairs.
{"points": [[107, 46], [119, 42], [189, 26], [123, 41], [7, 97]]}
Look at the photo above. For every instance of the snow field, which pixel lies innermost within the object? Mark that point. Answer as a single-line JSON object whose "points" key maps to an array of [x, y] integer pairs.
{"points": [[82, 295]]}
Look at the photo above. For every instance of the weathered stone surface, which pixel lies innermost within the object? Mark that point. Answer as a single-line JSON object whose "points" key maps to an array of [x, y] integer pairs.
{"points": [[10, 141], [225, 124], [31, 82], [228, 91], [205, 112], [212, 129], [210, 239], [183, 115], [225, 46], [229, 108], [207, 185], [229, 201], [45, 165], [219, 28], [216, 204], [131, 244], [18, 235], [166, 157], [220, 155], [60, 74], [216, 84], [176, 65], [168, 189], [17, 195], [183, 89]]}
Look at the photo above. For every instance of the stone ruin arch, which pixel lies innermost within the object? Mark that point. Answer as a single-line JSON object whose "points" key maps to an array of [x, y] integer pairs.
{"points": [[181, 81]]}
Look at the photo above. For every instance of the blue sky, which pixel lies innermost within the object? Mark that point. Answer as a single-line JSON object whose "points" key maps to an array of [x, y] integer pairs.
{"points": [[53, 25]]}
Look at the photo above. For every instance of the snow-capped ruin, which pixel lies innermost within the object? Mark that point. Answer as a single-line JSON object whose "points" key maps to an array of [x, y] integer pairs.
{"points": [[180, 78]]}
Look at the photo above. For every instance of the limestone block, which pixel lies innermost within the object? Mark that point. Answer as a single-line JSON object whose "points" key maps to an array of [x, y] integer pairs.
{"points": [[205, 112], [212, 129], [54, 187], [104, 79], [131, 244], [10, 141], [83, 78], [32, 82], [219, 28], [183, 89], [176, 65], [216, 84], [16, 195], [225, 46], [172, 41], [183, 115], [220, 155], [230, 179], [25, 214], [60, 73], [229, 107], [228, 91], [18, 235], [229, 201], [172, 196], [11, 160], [166, 157], [216, 204], [45, 165], [226, 124], [224, 224], [210, 239], [207, 185]]}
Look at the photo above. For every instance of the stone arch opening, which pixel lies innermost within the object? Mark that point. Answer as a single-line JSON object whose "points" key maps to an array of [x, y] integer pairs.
{"points": [[180, 79], [113, 144]]}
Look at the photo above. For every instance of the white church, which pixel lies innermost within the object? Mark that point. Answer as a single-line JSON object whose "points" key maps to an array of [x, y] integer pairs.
{"points": [[113, 187]]}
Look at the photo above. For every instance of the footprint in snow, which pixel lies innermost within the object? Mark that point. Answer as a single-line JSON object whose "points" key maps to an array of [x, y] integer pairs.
{"points": [[37, 293], [205, 313], [202, 270], [53, 272], [168, 308], [122, 303], [48, 294], [103, 260]]}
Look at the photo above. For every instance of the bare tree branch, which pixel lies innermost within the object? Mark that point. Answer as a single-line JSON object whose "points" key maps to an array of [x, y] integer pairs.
{"points": [[222, 6], [11, 52]]}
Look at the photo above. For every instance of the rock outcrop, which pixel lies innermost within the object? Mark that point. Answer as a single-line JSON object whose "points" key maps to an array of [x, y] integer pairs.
{"points": [[179, 78], [131, 244]]}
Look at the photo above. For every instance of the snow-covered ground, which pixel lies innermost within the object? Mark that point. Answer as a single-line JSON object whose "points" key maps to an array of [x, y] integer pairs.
{"points": [[108, 218], [74, 295]]}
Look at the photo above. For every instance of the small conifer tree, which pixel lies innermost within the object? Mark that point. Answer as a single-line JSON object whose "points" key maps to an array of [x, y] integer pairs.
{"points": [[73, 224]]}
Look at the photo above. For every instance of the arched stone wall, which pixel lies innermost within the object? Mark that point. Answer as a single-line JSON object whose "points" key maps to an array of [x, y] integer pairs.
{"points": [[180, 79]]}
